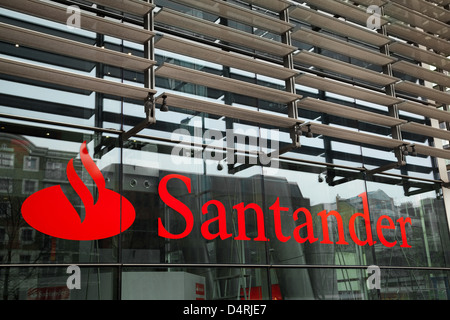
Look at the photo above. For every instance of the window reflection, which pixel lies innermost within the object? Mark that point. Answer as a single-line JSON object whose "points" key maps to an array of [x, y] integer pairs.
{"points": [[324, 177]]}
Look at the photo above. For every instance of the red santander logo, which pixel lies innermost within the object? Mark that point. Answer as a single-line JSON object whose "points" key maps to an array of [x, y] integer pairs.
{"points": [[50, 211]]}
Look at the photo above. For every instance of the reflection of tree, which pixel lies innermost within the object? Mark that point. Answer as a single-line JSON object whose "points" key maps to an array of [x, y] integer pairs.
{"points": [[12, 222], [24, 169]]}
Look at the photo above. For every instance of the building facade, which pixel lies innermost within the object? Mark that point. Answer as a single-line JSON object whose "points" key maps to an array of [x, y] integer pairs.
{"points": [[262, 149]]}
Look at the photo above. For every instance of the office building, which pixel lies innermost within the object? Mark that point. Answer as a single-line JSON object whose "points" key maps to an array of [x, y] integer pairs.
{"points": [[263, 149]]}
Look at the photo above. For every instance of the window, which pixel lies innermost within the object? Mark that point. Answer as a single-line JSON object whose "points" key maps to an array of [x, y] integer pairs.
{"points": [[5, 209], [6, 185], [29, 186], [30, 163], [6, 160], [3, 237], [54, 170], [27, 235]]}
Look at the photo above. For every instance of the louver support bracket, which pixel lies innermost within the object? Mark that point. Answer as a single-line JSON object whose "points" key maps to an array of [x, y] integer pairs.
{"points": [[150, 118]]}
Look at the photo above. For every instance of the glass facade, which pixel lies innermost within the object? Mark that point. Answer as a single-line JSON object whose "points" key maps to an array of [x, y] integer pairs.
{"points": [[304, 146]]}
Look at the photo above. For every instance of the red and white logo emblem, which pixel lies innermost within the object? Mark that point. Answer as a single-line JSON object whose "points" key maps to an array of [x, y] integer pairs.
{"points": [[50, 211]]}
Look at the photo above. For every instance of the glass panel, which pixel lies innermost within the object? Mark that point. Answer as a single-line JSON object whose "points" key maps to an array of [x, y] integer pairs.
{"points": [[58, 283], [410, 216], [315, 213], [148, 166], [45, 190], [196, 284], [369, 283], [309, 226]]}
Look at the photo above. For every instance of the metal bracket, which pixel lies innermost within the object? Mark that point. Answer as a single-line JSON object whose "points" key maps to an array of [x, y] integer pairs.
{"points": [[386, 167], [403, 151], [299, 131], [445, 184], [296, 132], [150, 118]]}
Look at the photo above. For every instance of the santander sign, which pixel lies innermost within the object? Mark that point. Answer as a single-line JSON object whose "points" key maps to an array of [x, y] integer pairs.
{"points": [[384, 221], [50, 212]]}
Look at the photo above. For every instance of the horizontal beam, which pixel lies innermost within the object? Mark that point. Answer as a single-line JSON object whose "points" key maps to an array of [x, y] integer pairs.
{"points": [[417, 36], [425, 110], [348, 112], [332, 24], [344, 9], [426, 130], [223, 110], [438, 97], [239, 14], [222, 57], [273, 5], [339, 88], [220, 32], [347, 49], [58, 13], [58, 45], [226, 84], [415, 18], [421, 55], [136, 7], [340, 67], [422, 73], [70, 79]]}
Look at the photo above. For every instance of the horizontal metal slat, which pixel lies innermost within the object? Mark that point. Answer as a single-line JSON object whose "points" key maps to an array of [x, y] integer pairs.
{"points": [[69, 79], [421, 55], [240, 14], [422, 73], [422, 38], [220, 32], [343, 9], [226, 84], [273, 5], [345, 48], [58, 45], [348, 112], [208, 53], [426, 130], [417, 19], [424, 92], [340, 67], [441, 2], [184, 102], [379, 141], [425, 110], [337, 26], [136, 7], [58, 13], [371, 2], [432, 151], [346, 90], [426, 8], [355, 136]]}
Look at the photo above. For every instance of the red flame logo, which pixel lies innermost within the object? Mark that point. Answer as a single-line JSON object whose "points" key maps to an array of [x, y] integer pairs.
{"points": [[50, 211]]}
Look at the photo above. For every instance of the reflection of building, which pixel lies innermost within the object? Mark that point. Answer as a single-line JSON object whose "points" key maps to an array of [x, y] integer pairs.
{"points": [[397, 283], [144, 244], [25, 169], [367, 108]]}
